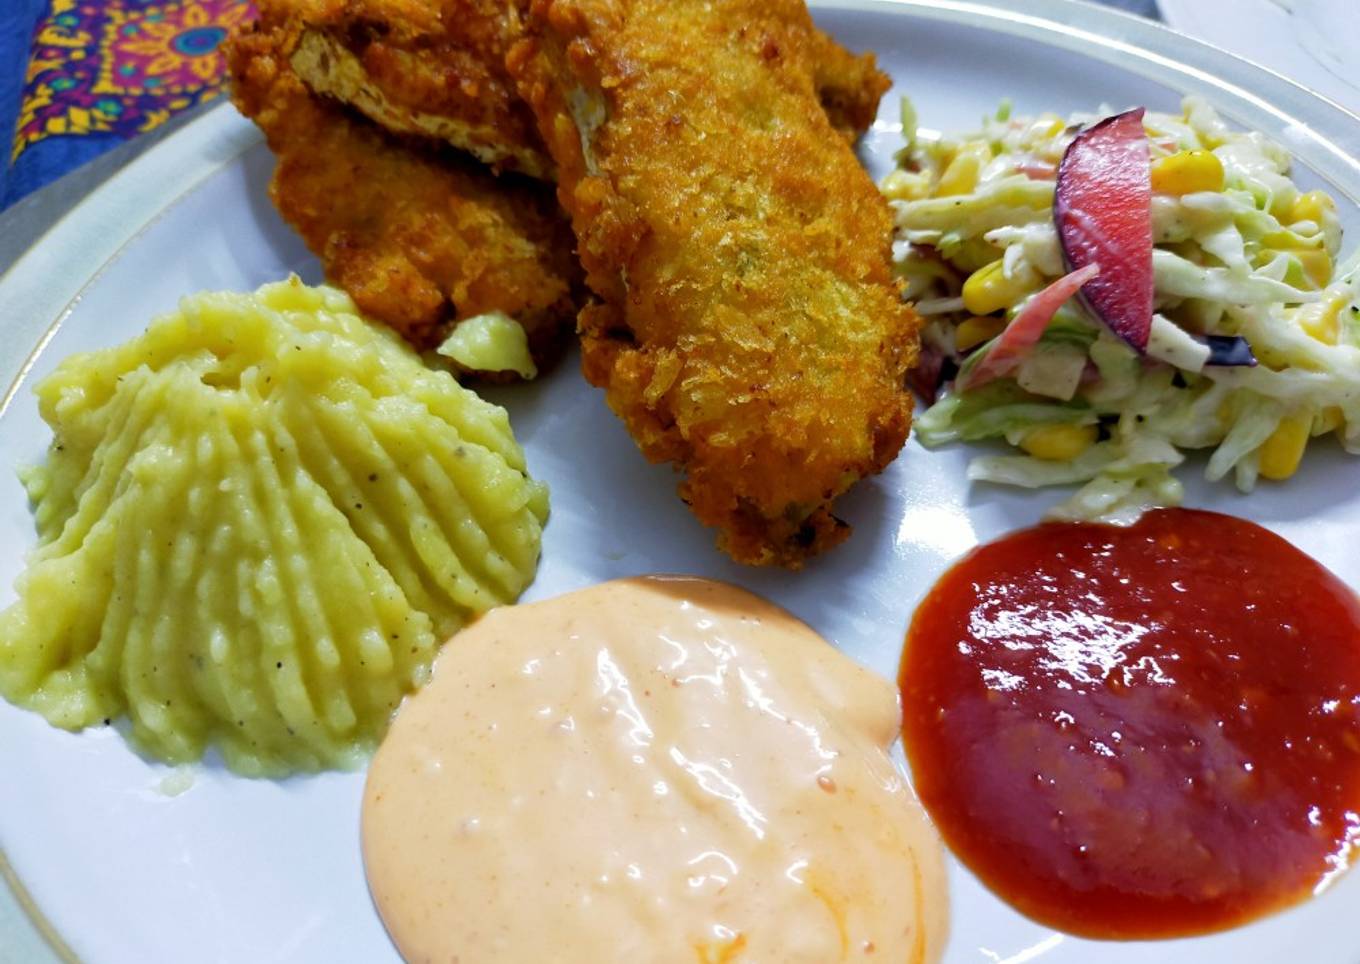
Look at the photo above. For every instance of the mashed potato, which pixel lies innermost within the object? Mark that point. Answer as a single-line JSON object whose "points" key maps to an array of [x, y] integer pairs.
{"points": [[257, 521]]}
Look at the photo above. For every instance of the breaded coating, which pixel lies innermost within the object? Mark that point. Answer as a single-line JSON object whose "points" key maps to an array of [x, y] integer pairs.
{"points": [[749, 328], [423, 67], [418, 238], [849, 85], [435, 68]]}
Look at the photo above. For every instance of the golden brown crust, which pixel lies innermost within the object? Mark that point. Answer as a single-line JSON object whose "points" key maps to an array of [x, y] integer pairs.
{"points": [[417, 238], [749, 328], [420, 67], [435, 68], [849, 85]]}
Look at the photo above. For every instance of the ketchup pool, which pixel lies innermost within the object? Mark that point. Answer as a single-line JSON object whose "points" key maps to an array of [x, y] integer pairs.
{"points": [[1139, 732]]}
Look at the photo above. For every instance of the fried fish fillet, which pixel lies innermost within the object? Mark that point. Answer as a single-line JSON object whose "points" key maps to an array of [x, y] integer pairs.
{"points": [[422, 67], [419, 238], [748, 327], [849, 85], [436, 69]]}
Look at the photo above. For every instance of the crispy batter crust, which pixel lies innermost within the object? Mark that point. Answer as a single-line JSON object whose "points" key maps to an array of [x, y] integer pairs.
{"points": [[850, 85], [417, 238], [436, 69], [749, 328]]}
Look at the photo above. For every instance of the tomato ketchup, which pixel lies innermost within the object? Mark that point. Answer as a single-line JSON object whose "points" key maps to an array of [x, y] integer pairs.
{"points": [[1140, 732]]}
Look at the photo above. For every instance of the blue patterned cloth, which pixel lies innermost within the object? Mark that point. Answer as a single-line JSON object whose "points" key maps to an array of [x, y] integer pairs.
{"points": [[97, 73], [17, 20], [134, 102]]}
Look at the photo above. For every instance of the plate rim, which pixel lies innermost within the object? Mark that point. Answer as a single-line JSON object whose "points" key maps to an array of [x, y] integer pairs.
{"points": [[1176, 16], [48, 280]]}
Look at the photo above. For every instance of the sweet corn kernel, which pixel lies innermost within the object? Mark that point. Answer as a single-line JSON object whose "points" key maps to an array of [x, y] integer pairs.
{"points": [[1282, 452], [1312, 206], [905, 186], [1058, 443], [1186, 172], [961, 176], [1317, 266], [1322, 320], [972, 332], [988, 289], [1284, 240], [1281, 204]]}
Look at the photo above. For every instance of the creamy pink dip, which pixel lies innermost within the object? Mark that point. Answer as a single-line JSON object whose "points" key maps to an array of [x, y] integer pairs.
{"points": [[658, 769]]}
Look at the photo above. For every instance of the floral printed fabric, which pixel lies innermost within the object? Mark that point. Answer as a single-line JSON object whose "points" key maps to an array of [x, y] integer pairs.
{"points": [[108, 70]]}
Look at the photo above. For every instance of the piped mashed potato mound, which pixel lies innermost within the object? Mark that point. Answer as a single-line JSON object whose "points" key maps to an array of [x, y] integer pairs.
{"points": [[257, 521]]}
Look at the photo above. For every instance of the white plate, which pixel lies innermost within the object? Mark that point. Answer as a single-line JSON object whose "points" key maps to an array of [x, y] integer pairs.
{"points": [[255, 871], [1308, 41]]}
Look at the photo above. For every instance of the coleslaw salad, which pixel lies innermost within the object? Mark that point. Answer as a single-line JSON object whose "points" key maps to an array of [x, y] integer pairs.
{"points": [[1254, 347]]}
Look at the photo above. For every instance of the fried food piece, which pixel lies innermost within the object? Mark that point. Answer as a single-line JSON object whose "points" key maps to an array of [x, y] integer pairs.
{"points": [[749, 328], [418, 238], [437, 70], [423, 68], [849, 85]]}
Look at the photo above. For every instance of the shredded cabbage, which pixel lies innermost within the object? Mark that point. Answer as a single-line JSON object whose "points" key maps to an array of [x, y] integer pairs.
{"points": [[1256, 260]]}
